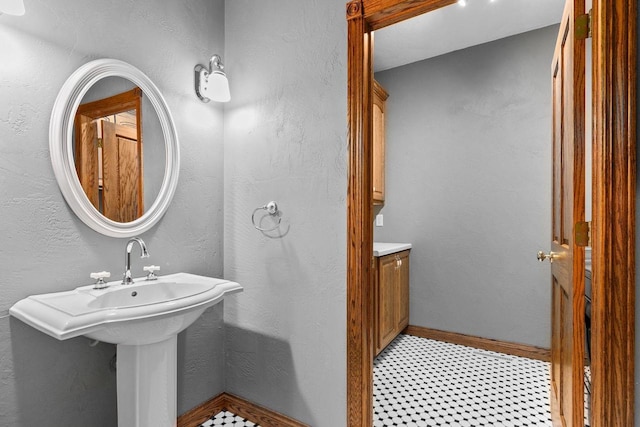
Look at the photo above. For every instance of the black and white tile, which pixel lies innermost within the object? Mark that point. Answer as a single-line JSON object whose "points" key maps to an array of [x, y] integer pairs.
{"points": [[587, 396], [422, 382], [227, 419]]}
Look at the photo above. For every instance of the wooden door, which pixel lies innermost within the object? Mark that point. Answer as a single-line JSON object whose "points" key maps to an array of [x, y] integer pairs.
{"points": [[567, 258]]}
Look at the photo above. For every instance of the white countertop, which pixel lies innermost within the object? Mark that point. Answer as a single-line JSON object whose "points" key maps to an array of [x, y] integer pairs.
{"points": [[382, 249]]}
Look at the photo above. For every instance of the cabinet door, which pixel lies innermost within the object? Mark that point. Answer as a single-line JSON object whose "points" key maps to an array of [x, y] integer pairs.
{"points": [[402, 291], [387, 322], [379, 102]]}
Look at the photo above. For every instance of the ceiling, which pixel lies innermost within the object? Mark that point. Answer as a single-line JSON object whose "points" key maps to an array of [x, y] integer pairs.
{"points": [[456, 27]]}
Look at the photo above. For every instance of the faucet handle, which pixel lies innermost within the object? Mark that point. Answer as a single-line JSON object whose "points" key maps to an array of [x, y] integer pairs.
{"points": [[100, 276], [151, 269]]}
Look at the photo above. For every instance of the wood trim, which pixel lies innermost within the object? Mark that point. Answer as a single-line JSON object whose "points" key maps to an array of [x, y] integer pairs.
{"points": [[382, 13], [379, 91], [359, 197], [613, 234], [112, 105], [614, 182], [201, 413], [241, 407], [359, 222], [259, 414], [522, 350]]}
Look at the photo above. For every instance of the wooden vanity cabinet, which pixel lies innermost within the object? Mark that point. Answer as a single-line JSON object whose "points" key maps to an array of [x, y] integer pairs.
{"points": [[391, 298], [379, 101]]}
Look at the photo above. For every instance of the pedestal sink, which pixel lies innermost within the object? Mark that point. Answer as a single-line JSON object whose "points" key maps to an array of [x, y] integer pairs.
{"points": [[143, 319]]}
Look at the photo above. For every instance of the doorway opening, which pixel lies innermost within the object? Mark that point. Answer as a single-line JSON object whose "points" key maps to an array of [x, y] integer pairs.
{"points": [[614, 171]]}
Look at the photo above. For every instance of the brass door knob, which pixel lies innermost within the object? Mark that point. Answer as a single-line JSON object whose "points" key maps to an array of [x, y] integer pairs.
{"points": [[550, 256]]}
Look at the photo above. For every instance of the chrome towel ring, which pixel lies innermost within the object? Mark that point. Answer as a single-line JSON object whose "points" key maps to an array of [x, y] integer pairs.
{"points": [[272, 210]]}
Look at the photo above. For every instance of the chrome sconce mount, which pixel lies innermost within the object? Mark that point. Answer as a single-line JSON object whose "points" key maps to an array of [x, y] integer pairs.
{"points": [[211, 83]]}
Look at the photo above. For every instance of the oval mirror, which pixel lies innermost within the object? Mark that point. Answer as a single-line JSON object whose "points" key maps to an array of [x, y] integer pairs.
{"points": [[114, 148]]}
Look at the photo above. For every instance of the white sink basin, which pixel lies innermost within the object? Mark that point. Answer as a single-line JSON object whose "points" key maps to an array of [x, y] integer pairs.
{"points": [[143, 319], [141, 313]]}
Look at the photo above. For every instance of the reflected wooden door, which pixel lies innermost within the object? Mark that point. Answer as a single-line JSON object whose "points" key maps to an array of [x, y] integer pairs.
{"points": [[567, 257], [121, 173], [108, 154]]}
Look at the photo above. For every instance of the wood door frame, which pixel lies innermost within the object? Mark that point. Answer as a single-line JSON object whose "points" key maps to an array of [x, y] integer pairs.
{"points": [[614, 32]]}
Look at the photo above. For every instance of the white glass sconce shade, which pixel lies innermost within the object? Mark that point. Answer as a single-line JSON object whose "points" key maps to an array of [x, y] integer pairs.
{"points": [[212, 83], [217, 87], [12, 7]]}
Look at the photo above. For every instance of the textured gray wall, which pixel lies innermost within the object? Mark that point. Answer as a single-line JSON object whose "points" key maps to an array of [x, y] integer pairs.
{"points": [[285, 140], [468, 183], [45, 248]]}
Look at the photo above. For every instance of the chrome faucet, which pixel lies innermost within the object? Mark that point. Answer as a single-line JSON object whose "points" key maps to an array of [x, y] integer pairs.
{"points": [[127, 280]]}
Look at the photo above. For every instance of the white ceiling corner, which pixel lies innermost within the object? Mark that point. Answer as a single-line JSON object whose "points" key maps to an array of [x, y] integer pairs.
{"points": [[455, 27]]}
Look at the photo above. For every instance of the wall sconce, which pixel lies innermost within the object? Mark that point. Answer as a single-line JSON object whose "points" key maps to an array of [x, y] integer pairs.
{"points": [[12, 7], [212, 83]]}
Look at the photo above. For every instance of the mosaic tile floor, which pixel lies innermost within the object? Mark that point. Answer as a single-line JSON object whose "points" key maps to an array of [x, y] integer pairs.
{"points": [[422, 382], [226, 418], [587, 395]]}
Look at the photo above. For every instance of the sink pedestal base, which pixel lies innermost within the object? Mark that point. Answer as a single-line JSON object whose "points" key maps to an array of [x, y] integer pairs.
{"points": [[147, 384]]}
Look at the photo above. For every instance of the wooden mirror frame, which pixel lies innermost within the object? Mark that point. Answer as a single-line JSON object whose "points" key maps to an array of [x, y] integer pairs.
{"points": [[614, 32]]}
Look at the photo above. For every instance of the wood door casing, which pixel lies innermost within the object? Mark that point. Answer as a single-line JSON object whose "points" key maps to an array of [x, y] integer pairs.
{"points": [[86, 157], [614, 173], [615, 38], [568, 187], [360, 316]]}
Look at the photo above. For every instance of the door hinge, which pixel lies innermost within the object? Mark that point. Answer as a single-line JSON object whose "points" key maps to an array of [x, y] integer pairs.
{"points": [[582, 234], [100, 142], [583, 26]]}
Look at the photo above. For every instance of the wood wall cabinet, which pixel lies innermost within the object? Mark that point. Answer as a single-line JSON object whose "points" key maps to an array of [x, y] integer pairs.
{"points": [[379, 101], [391, 298]]}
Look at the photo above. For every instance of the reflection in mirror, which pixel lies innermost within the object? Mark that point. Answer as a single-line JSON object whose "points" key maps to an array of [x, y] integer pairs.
{"points": [[108, 155], [117, 175], [159, 159]]}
